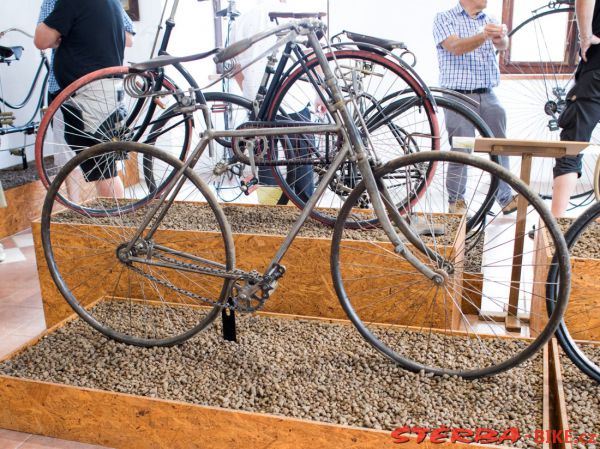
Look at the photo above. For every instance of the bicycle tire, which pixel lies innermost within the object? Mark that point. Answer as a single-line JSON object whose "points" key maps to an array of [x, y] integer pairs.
{"points": [[573, 344], [129, 119], [140, 304], [392, 77], [397, 309]]}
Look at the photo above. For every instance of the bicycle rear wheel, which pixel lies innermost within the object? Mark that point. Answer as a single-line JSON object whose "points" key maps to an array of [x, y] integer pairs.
{"points": [[579, 326], [539, 67], [391, 110], [153, 295], [97, 108], [450, 327]]}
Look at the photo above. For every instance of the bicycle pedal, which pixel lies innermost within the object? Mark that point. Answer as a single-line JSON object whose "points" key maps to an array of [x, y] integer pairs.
{"points": [[249, 184]]}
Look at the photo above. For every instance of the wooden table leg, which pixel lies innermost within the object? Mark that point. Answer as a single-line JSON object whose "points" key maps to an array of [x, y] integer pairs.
{"points": [[512, 322]]}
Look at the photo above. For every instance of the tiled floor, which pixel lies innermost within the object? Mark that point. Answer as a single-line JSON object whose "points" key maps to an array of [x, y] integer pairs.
{"points": [[21, 319]]}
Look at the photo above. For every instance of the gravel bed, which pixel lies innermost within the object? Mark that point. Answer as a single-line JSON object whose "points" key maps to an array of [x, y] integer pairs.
{"points": [[582, 396], [303, 369], [15, 176], [588, 245], [474, 256], [271, 220]]}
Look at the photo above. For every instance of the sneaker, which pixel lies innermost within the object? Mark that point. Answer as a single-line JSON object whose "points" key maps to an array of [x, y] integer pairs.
{"points": [[458, 207], [531, 233], [511, 206]]}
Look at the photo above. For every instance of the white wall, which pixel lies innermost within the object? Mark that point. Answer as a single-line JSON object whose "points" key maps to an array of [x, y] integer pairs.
{"points": [[401, 20], [16, 79]]}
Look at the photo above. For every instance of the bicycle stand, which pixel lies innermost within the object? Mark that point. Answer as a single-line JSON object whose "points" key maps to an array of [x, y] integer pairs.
{"points": [[228, 319]]}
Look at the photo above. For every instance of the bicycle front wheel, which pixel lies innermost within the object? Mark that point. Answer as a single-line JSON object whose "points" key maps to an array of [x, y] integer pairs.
{"points": [[450, 327], [97, 108], [166, 287], [580, 326]]}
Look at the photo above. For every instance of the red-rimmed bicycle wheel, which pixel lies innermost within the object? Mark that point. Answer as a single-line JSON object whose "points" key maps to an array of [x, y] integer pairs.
{"points": [[97, 108], [392, 112]]}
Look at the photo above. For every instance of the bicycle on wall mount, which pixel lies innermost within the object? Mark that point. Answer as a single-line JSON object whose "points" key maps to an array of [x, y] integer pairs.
{"points": [[125, 246], [8, 121]]}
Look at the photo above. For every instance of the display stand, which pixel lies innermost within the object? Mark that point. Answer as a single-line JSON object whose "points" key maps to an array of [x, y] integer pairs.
{"points": [[228, 319], [527, 150]]}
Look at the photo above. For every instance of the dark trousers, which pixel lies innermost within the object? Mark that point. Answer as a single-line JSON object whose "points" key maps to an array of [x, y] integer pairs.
{"points": [[298, 177], [579, 118]]}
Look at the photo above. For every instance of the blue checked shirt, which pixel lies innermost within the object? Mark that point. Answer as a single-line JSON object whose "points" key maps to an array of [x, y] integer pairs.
{"points": [[474, 70], [45, 10]]}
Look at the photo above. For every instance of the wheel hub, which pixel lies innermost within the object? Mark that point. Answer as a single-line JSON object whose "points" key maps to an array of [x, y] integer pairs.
{"points": [[442, 277]]}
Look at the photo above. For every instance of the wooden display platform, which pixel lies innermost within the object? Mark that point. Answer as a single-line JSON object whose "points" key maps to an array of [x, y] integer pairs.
{"points": [[128, 421], [306, 288], [24, 205], [583, 300], [526, 149], [559, 413]]}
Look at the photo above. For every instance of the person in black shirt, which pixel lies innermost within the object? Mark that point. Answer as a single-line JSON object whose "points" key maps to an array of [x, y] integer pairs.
{"points": [[88, 35], [582, 113]]}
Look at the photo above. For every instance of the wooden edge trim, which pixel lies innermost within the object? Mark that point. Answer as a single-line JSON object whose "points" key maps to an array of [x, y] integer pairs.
{"points": [[560, 404]]}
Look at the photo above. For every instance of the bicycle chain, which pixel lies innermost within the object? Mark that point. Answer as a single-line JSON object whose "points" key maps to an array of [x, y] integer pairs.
{"points": [[164, 283]]}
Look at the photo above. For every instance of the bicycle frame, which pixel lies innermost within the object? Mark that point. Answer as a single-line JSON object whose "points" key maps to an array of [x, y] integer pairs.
{"points": [[30, 125], [353, 148]]}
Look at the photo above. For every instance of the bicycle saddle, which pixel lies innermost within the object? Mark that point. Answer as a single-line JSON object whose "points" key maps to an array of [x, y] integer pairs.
{"points": [[7, 52], [164, 60], [383, 43]]}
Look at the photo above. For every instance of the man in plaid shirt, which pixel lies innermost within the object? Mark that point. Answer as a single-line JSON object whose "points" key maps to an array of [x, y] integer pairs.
{"points": [[466, 40]]}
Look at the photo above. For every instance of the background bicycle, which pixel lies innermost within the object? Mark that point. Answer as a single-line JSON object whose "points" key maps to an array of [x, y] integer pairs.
{"points": [[21, 115], [579, 331]]}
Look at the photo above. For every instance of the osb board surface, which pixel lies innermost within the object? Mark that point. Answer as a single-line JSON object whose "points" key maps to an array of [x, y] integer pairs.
{"points": [[583, 312], [559, 409], [24, 205], [89, 416], [542, 259], [307, 285], [584, 300]]}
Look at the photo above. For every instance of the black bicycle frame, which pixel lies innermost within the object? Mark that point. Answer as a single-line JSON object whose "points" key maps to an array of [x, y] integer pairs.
{"points": [[30, 125]]}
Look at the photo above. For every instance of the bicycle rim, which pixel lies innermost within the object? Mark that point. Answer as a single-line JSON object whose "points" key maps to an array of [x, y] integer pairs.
{"points": [[574, 333], [161, 298], [451, 328], [375, 83]]}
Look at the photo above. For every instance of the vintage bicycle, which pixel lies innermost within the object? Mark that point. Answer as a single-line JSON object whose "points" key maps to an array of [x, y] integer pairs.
{"points": [[8, 121], [390, 91], [578, 333], [160, 286]]}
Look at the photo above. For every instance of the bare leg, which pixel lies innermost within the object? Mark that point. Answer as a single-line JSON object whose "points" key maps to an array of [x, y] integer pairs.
{"points": [[564, 186], [110, 188], [74, 182]]}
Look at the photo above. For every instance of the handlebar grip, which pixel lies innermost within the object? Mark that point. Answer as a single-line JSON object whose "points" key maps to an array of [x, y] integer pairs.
{"points": [[233, 50]]}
